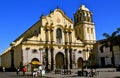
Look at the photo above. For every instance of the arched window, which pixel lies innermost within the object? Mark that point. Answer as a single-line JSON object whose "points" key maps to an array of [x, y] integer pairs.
{"points": [[88, 31], [59, 35], [91, 30]]}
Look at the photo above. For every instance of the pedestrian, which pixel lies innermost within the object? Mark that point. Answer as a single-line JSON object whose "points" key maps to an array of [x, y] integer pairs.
{"points": [[40, 70], [24, 70], [92, 73], [35, 74], [3, 68], [17, 70]]}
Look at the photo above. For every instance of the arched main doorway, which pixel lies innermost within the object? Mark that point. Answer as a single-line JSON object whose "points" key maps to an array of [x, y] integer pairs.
{"points": [[35, 63], [80, 63], [59, 60]]}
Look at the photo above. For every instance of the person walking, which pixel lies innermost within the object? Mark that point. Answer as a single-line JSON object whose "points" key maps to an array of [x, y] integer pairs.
{"points": [[17, 70], [24, 70], [3, 68], [40, 70]]}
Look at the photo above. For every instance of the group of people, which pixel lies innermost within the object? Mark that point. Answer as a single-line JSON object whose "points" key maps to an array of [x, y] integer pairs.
{"points": [[23, 70], [17, 70], [38, 72], [35, 73]]}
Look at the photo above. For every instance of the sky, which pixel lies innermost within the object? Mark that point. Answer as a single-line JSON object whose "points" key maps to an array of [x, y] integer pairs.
{"points": [[16, 16]]}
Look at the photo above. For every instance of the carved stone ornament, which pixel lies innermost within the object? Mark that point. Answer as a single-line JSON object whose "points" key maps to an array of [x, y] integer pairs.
{"points": [[58, 20]]}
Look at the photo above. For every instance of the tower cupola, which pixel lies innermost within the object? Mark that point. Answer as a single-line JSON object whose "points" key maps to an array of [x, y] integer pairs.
{"points": [[84, 26], [82, 15]]}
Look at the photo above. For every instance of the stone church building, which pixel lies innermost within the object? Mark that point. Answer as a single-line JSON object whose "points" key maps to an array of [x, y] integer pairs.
{"points": [[54, 41]]}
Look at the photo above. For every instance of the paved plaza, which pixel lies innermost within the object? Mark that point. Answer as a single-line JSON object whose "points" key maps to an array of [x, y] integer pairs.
{"points": [[102, 74]]}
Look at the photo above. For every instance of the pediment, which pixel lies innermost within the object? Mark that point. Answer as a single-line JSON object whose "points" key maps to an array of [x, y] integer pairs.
{"points": [[57, 17], [61, 16]]}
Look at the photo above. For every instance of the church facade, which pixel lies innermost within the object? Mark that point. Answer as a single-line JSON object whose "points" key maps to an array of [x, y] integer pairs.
{"points": [[55, 41]]}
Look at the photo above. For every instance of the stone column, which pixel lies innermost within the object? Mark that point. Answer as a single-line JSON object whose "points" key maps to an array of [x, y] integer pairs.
{"points": [[46, 48], [70, 57], [46, 36], [46, 58], [52, 59], [66, 38], [51, 36], [66, 58], [51, 48]]}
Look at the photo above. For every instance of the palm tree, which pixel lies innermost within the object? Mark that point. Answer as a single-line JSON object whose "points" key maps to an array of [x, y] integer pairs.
{"points": [[118, 41], [110, 41], [118, 38]]}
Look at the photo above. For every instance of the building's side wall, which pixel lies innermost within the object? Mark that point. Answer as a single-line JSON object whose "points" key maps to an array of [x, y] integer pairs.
{"points": [[17, 55], [6, 59], [107, 55]]}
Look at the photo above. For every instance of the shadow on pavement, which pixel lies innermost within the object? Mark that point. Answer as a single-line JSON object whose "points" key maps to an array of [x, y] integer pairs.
{"points": [[74, 76], [117, 77]]}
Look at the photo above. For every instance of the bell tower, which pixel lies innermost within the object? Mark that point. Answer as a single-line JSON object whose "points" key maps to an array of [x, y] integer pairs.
{"points": [[84, 25]]}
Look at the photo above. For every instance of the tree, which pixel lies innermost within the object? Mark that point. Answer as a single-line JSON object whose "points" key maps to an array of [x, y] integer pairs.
{"points": [[118, 38], [118, 41], [110, 41]]}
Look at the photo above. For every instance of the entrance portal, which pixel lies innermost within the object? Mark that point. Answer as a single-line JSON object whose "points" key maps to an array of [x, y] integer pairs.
{"points": [[35, 64], [80, 63], [59, 60]]}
